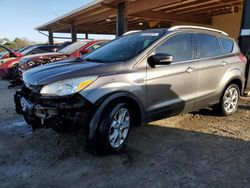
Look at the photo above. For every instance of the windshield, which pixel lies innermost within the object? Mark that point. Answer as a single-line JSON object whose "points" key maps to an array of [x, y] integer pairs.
{"points": [[73, 47], [28, 50], [126, 47]]}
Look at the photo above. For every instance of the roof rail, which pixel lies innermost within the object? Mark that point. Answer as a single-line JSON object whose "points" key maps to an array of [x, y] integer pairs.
{"points": [[195, 27], [132, 31]]}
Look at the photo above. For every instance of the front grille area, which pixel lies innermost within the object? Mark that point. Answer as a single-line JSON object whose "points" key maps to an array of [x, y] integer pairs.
{"points": [[75, 101], [32, 96]]}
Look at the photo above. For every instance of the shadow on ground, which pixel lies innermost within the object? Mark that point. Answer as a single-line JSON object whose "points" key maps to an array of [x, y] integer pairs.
{"points": [[155, 157]]}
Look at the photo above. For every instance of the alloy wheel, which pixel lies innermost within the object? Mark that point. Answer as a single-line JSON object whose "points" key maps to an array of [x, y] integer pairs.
{"points": [[119, 128], [231, 98]]}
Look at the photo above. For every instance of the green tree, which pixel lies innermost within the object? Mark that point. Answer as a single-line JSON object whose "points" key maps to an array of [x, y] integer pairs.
{"points": [[20, 43]]}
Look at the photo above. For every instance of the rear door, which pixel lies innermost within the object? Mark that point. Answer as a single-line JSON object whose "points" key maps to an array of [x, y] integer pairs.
{"points": [[212, 68], [171, 89]]}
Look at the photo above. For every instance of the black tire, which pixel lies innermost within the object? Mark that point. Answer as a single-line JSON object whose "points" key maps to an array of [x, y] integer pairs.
{"points": [[222, 108], [103, 144], [14, 72]]}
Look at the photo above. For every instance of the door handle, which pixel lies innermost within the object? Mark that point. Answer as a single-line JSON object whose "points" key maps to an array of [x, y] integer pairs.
{"points": [[224, 63], [190, 69]]}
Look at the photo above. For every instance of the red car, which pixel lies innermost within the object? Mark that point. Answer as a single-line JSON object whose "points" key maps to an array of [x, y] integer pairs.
{"points": [[7, 56], [74, 50], [9, 59], [7, 53]]}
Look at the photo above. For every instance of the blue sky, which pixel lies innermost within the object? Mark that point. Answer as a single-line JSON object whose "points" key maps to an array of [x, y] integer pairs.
{"points": [[20, 17]]}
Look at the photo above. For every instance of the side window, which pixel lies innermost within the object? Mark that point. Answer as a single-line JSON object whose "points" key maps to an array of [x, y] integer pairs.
{"points": [[39, 51], [227, 45], [208, 46], [51, 48], [179, 46]]}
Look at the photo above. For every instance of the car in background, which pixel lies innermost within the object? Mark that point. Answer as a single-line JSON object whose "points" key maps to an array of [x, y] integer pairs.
{"points": [[64, 44], [74, 50], [7, 56], [38, 49], [10, 58], [7, 53]]}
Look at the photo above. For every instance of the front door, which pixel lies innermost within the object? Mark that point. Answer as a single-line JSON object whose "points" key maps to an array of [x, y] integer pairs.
{"points": [[171, 89]]}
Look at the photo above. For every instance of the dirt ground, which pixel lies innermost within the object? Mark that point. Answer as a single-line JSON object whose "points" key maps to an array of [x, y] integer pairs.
{"points": [[191, 150]]}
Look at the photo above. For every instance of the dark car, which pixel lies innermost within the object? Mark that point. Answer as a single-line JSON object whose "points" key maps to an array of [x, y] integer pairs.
{"points": [[74, 50], [138, 78]]}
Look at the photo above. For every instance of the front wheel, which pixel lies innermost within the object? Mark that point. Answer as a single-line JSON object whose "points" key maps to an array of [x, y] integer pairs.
{"points": [[229, 100], [14, 72], [113, 129]]}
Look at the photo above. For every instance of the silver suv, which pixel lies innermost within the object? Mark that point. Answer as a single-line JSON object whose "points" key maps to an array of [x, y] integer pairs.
{"points": [[138, 78]]}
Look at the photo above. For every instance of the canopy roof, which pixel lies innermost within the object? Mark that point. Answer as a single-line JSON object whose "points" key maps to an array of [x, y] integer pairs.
{"points": [[99, 17]]}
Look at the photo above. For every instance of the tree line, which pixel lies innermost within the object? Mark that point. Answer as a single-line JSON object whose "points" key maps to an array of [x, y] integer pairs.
{"points": [[17, 43]]}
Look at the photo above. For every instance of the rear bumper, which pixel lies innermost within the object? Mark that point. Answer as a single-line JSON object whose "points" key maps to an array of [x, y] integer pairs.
{"points": [[69, 112]]}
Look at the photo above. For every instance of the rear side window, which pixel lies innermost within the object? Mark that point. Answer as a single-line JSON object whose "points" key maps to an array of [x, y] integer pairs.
{"points": [[227, 45], [179, 46], [208, 46]]}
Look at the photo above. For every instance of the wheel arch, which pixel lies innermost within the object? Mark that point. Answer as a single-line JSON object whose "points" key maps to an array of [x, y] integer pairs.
{"points": [[110, 99], [235, 80]]}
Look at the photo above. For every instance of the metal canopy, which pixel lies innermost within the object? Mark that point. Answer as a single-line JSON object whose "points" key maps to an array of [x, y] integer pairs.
{"points": [[100, 16]]}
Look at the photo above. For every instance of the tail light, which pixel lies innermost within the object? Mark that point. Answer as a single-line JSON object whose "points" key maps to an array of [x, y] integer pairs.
{"points": [[243, 58]]}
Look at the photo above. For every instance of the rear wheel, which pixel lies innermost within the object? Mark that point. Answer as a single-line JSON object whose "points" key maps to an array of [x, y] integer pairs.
{"points": [[229, 100], [113, 129]]}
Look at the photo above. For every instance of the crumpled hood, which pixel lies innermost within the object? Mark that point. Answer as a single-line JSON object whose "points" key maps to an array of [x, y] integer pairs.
{"points": [[50, 73]]}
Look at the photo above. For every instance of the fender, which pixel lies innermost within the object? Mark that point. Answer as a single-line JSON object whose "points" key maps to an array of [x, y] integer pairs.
{"points": [[229, 76], [12, 63], [224, 87], [96, 117]]}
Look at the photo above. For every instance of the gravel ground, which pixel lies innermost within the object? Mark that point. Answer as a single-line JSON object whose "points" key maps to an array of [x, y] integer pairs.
{"points": [[192, 150]]}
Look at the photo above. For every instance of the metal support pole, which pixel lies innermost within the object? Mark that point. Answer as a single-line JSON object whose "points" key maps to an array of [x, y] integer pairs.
{"points": [[245, 27], [51, 41], [73, 33], [86, 35], [121, 19], [244, 40]]}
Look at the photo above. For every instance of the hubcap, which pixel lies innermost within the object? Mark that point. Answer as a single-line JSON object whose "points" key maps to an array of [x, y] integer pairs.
{"points": [[119, 128], [231, 98]]}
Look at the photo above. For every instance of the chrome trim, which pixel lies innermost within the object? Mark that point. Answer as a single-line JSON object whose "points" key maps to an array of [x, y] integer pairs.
{"points": [[196, 27]]}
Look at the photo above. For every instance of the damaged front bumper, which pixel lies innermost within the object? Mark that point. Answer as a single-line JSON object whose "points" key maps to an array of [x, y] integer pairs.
{"points": [[71, 112]]}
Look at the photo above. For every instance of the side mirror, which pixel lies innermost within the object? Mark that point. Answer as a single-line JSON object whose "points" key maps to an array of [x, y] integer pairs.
{"points": [[160, 59]]}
